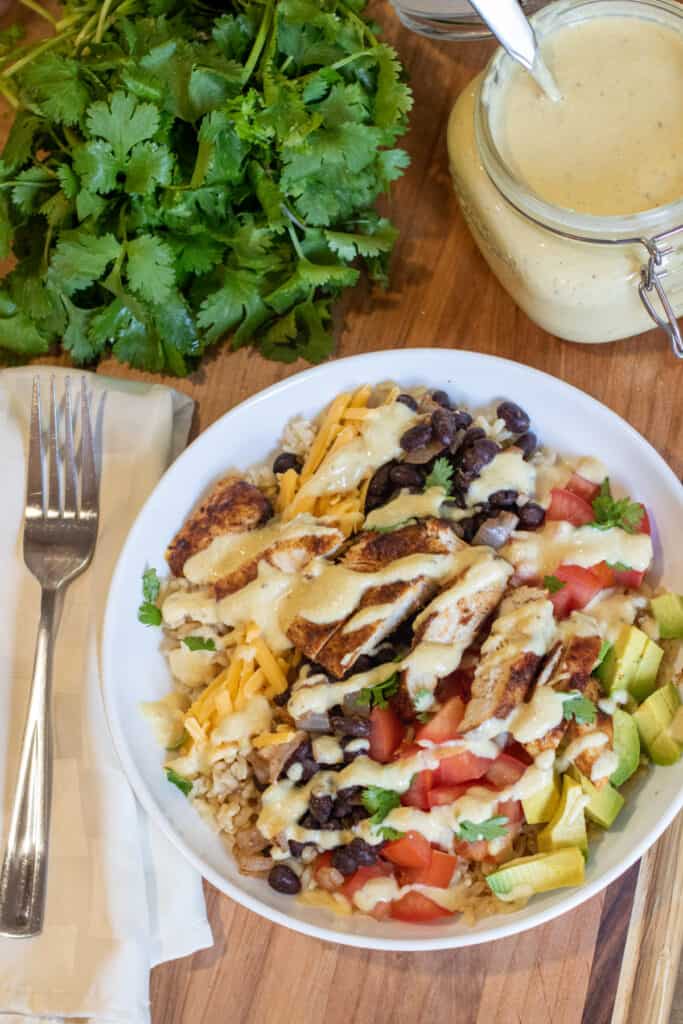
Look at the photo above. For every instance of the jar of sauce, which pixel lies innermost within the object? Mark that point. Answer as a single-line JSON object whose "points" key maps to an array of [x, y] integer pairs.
{"points": [[577, 205]]}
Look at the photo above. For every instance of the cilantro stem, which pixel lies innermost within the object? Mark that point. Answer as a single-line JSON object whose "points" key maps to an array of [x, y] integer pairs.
{"points": [[337, 64], [295, 241], [49, 44], [104, 11], [9, 95], [295, 220], [364, 29], [34, 6], [259, 42]]}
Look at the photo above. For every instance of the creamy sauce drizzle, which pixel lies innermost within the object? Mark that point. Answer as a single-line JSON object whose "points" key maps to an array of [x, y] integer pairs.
{"points": [[507, 471], [407, 506], [559, 543]]}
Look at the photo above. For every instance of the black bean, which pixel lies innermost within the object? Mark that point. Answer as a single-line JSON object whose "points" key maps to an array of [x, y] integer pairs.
{"points": [[444, 426], [363, 664], [302, 753], [503, 499], [355, 815], [344, 861], [417, 437], [514, 417], [282, 698], [468, 528], [310, 767], [408, 400], [378, 487], [285, 461], [296, 849], [321, 807], [350, 725], [282, 879], [404, 475], [528, 443], [472, 435], [478, 455], [308, 821], [364, 853], [531, 516], [463, 419], [441, 398]]}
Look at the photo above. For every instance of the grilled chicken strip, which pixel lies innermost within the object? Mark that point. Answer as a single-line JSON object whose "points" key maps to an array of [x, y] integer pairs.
{"points": [[450, 623], [349, 608], [571, 670], [601, 727], [233, 506], [510, 656]]}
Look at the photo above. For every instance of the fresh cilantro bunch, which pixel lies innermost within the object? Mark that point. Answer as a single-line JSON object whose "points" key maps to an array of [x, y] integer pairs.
{"points": [[176, 174]]}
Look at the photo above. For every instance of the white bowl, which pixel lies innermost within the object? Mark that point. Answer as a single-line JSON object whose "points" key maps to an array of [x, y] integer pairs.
{"points": [[134, 669]]}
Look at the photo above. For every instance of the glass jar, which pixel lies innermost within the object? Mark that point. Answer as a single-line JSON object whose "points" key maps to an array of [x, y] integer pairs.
{"points": [[581, 277], [449, 19]]}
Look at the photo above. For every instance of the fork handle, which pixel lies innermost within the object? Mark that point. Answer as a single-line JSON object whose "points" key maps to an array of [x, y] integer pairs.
{"points": [[23, 878]]}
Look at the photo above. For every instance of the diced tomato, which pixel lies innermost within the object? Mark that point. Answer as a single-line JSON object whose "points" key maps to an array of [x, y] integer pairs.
{"points": [[443, 795], [411, 851], [473, 851], [569, 507], [323, 871], [444, 725], [386, 733], [645, 526], [358, 879], [512, 810], [584, 488], [631, 578], [417, 908], [418, 794], [438, 873], [604, 574], [580, 587], [515, 749], [457, 684], [505, 771], [462, 767]]}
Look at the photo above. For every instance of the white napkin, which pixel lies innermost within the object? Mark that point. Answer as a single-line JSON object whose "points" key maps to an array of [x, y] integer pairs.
{"points": [[120, 897]]}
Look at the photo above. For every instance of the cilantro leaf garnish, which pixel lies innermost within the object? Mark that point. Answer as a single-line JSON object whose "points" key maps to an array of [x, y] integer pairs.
{"points": [[619, 567], [581, 709], [610, 512], [180, 173], [199, 643], [183, 784], [148, 612], [379, 802], [605, 648], [377, 696], [393, 527], [552, 584], [441, 475], [474, 832], [390, 834]]}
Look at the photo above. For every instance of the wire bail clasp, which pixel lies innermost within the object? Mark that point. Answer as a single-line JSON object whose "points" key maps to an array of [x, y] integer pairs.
{"points": [[651, 280]]}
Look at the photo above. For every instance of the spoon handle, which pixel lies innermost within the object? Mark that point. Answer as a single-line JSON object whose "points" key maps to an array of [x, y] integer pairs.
{"points": [[509, 24]]}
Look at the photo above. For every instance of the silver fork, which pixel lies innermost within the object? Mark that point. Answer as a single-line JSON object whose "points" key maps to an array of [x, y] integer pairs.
{"points": [[59, 540]]}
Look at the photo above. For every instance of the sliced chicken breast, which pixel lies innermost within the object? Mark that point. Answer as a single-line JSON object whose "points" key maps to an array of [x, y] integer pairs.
{"points": [[233, 506], [511, 656]]}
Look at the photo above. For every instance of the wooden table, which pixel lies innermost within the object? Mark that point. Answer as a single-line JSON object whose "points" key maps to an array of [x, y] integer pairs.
{"points": [[442, 294]]}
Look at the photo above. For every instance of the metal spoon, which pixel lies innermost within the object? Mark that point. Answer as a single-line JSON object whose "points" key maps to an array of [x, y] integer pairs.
{"points": [[510, 26]]}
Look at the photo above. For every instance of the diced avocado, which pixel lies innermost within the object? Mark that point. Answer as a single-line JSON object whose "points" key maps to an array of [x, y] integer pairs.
{"points": [[664, 749], [668, 611], [568, 824], [626, 746], [653, 718], [528, 875], [645, 679], [540, 807], [603, 804], [619, 667], [676, 727]]}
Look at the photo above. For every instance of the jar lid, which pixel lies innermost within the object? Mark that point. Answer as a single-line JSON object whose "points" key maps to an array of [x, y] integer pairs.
{"points": [[450, 19]]}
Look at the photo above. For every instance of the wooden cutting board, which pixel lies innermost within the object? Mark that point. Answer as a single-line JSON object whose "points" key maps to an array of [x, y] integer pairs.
{"points": [[567, 972]]}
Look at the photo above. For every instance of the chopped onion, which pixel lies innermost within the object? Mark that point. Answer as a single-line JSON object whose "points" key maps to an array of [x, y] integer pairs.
{"points": [[496, 532], [314, 721], [422, 455]]}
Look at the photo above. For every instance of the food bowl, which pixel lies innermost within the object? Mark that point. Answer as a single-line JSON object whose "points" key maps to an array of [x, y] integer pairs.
{"points": [[135, 670]]}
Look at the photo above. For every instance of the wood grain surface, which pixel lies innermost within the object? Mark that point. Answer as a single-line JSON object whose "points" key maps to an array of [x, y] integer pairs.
{"points": [[442, 294]]}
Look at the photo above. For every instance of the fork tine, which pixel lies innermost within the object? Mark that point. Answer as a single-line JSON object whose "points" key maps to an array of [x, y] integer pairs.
{"points": [[34, 477], [53, 500], [70, 478], [89, 498]]}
